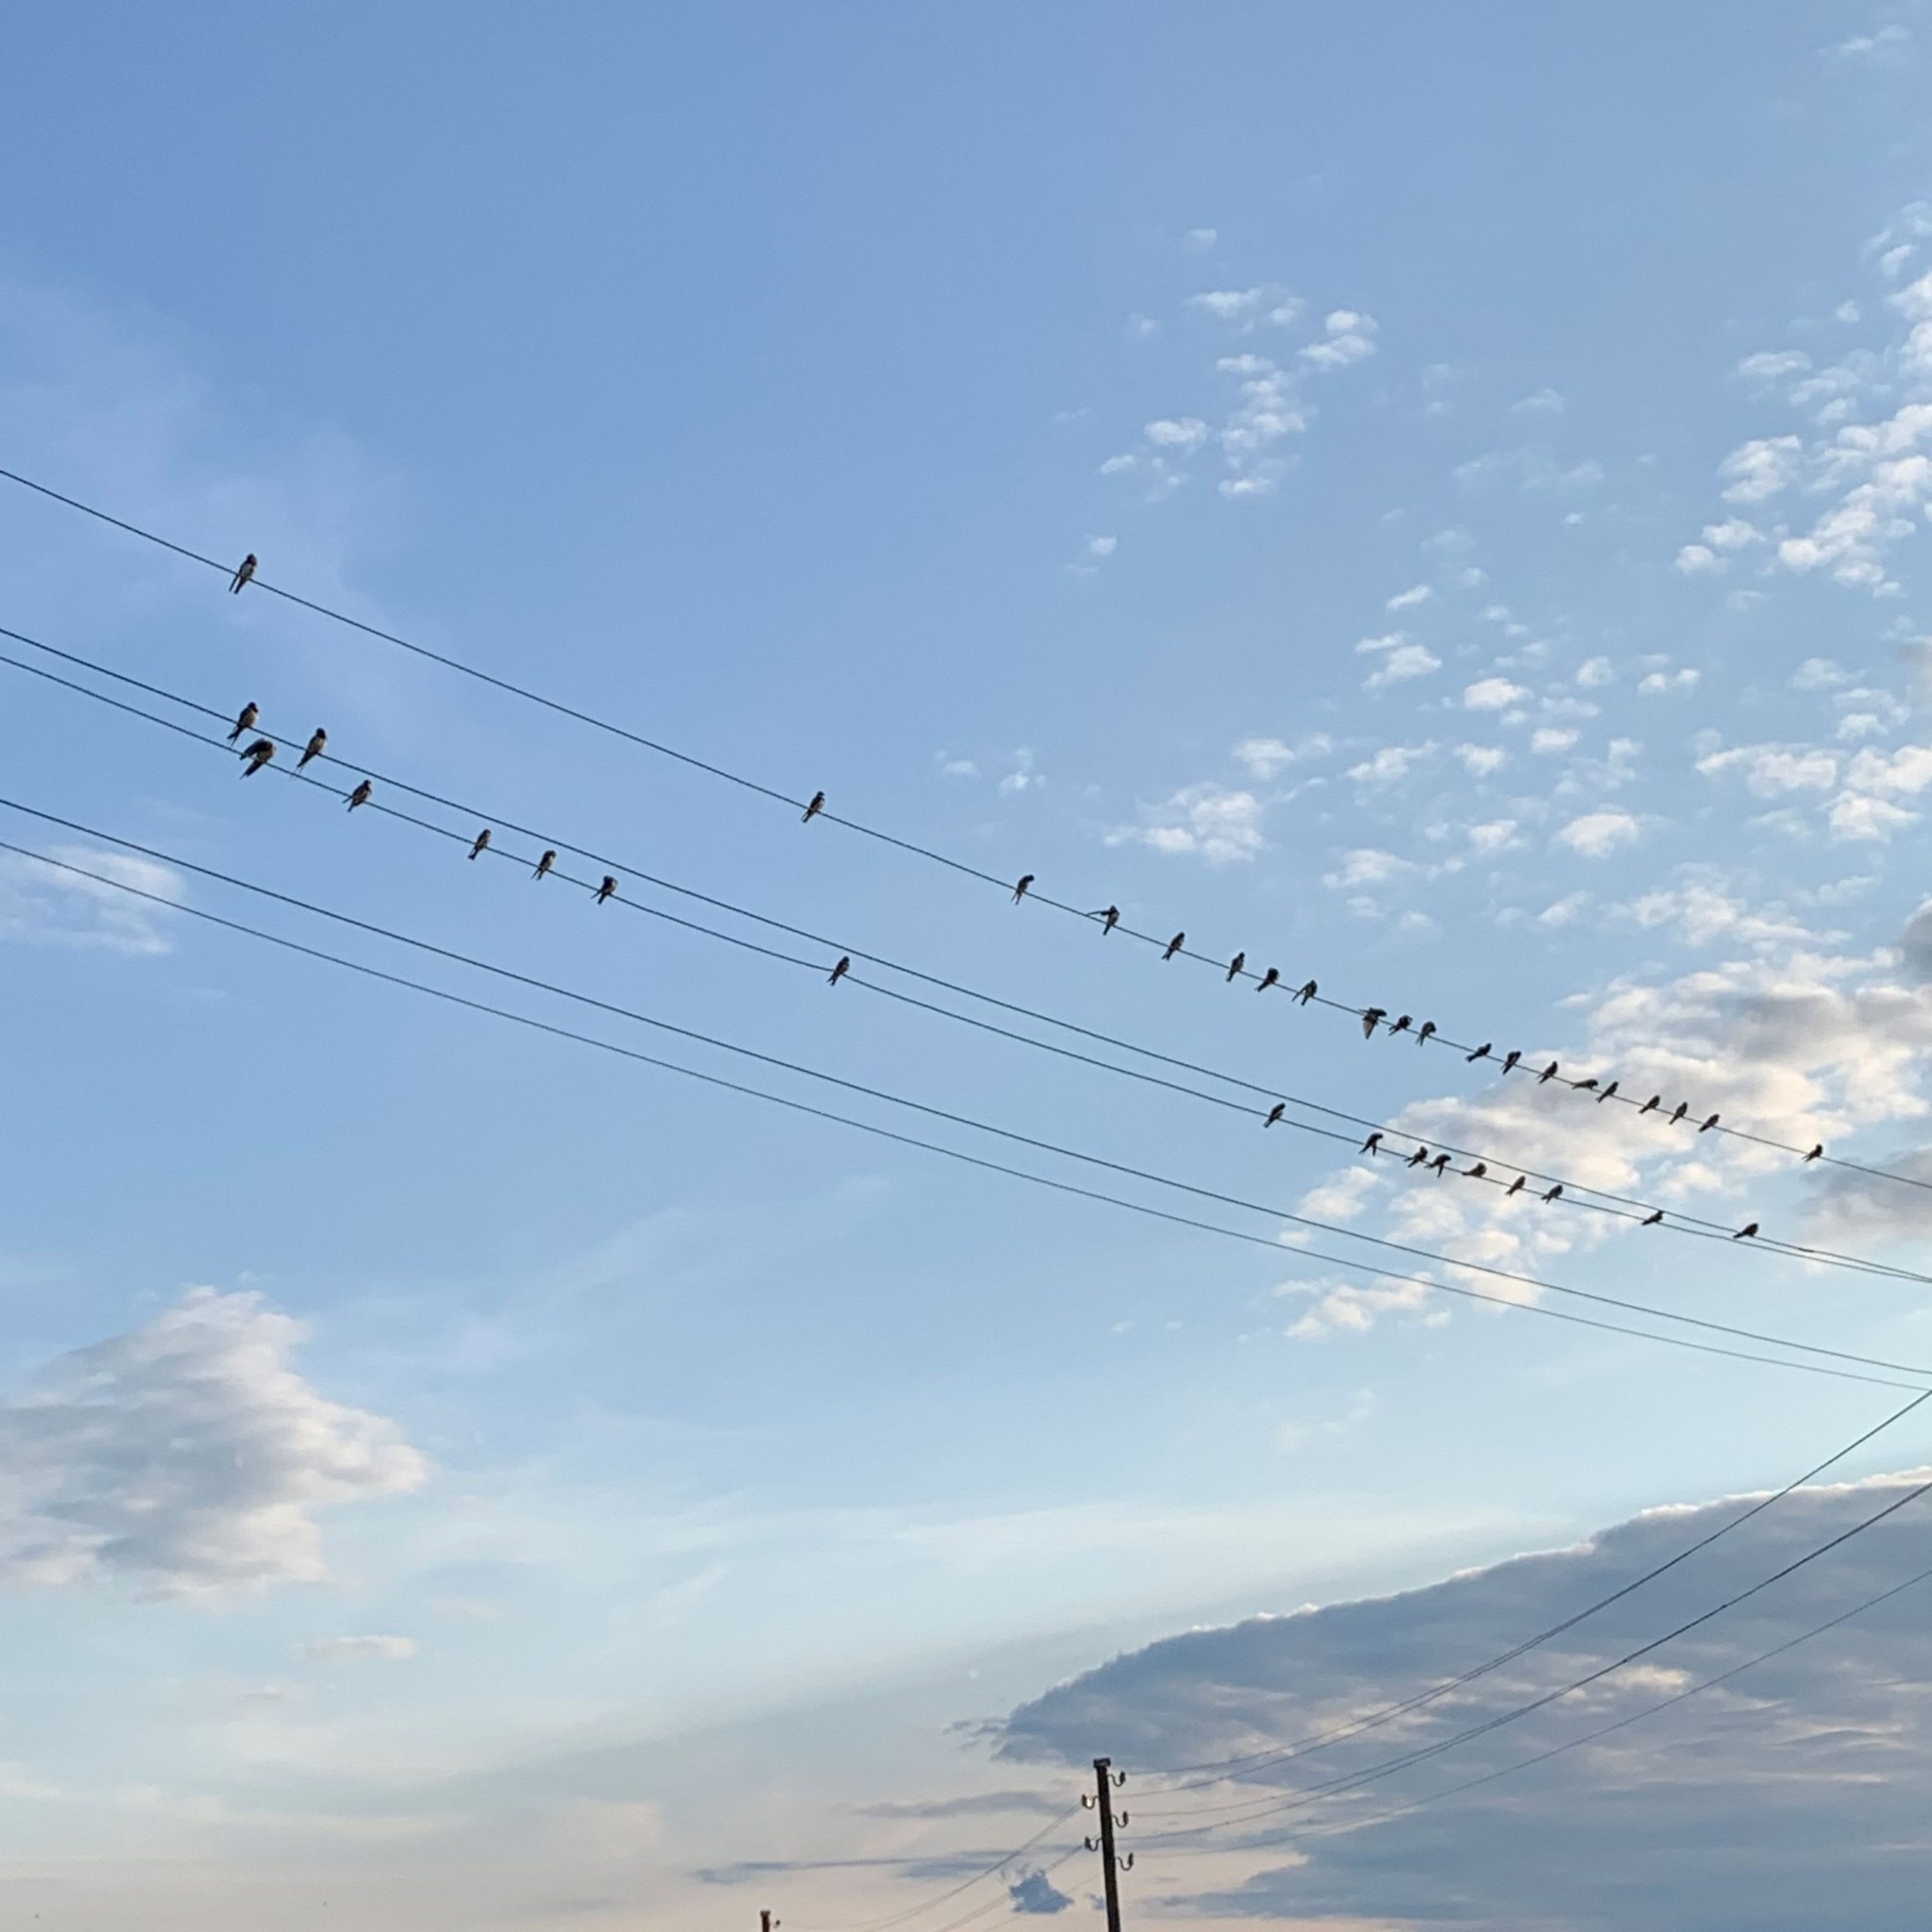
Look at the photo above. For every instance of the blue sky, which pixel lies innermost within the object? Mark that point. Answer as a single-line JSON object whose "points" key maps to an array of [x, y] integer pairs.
{"points": [[1432, 499]]}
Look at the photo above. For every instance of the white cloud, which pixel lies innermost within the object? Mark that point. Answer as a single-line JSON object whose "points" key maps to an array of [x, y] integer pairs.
{"points": [[1492, 694], [1480, 761], [1593, 673], [1886, 47], [1761, 469], [1228, 305], [1401, 660], [1772, 365], [187, 1456], [1408, 600], [1543, 402], [352, 1650], [1391, 764], [1493, 837], [1102, 546], [47, 907], [1733, 533], [1697, 560], [1266, 758], [1660, 684], [1769, 771], [1199, 240], [1350, 337], [1204, 821], [1596, 834], [1367, 865], [1185, 433]]}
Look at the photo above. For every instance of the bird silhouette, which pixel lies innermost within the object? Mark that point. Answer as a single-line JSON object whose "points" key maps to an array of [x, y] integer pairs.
{"points": [[1683, 1107], [839, 971], [1109, 919], [1427, 1028], [1401, 1025], [245, 574], [1817, 1153], [1418, 1157], [1020, 890], [1234, 966], [1510, 1061], [1588, 1086], [318, 743], [1656, 1215], [1516, 1186], [1306, 993], [1556, 1193], [256, 756], [607, 890], [1373, 1144], [544, 864], [1548, 1073], [1174, 944], [1745, 1233], [1606, 1094], [1274, 1113], [1271, 977], [1476, 1173], [363, 793], [1482, 1052], [1708, 1124], [246, 722], [1651, 1106], [813, 810], [1439, 1165], [482, 842], [1372, 1018]]}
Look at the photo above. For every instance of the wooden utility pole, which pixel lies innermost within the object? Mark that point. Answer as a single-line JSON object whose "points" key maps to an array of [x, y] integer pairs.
{"points": [[1106, 1779]]}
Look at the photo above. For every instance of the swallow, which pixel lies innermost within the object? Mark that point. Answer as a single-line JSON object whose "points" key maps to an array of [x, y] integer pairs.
{"points": [[1656, 1215], [1745, 1233], [1588, 1086], [608, 890], [1548, 1073], [1516, 1186], [1480, 1171], [1606, 1094], [839, 971], [318, 743], [813, 810], [1274, 1113], [1371, 1018], [1817, 1153], [256, 756], [482, 842], [1509, 1061], [1401, 1025], [1651, 1106], [1271, 977], [363, 793], [544, 864], [1307, 992], [1439, 1165], [1708, 1124], [1109, 919], [1174, 944], [1683, 1107], [1481, 1053], [244, 575], [1556, 1193], [1373, 1144], [246, 722], [1419, 1156], [1020, 890], [1428, 1028], [1234, 966]]}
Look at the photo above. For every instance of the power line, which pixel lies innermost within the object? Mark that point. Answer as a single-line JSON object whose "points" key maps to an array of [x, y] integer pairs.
{"points": [[1274, 1247], [1354, 1780], [1371, 1016], [1233, 1770], [1562, 1191]]}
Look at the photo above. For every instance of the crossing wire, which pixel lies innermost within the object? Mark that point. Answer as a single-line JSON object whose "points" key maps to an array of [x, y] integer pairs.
{"points": [[1579, 1196], [1274, 1245], [1176, 947]]}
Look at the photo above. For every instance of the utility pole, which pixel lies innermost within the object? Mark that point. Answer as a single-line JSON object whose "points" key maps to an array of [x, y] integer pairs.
{"points": [[1106, 1779], [766, 1923]]}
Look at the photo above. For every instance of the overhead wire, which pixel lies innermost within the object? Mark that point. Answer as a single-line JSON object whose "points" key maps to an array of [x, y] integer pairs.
{"points": [[1370, 1016], [1489, 1169], [1281, 1252]]}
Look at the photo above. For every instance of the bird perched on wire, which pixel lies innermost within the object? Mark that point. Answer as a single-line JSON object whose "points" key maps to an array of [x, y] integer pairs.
{"points": [[1656, 1215], [1683, 1107], [1708, 1124], [544, 864], [1606, 1094], [318, 743], [839, 971], [1274, 1113], [1516, 1186], [1019, 891], [1549, 1073], [246, 722], [245, 574], [1373, 1144], [1476, 1173], [1556, 1193], [1510, 1059], [1745, 1233], [1234, 966], [608, 890], [1109, 919], [1481, 1053], [1174, 944], [1439, 1166], [363, 793], [482, 842], [1651, 1106], [1424, 1033], [1817, 1153], [1588, 1086], [1419, 1156], [256, 756], [1303, 994], [1401, 1025], [1372, 1017], [1271, 977], [813, 810]]}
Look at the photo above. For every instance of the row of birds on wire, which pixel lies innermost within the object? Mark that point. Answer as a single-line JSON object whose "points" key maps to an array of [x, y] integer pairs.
{"points": [[260, 751]]}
